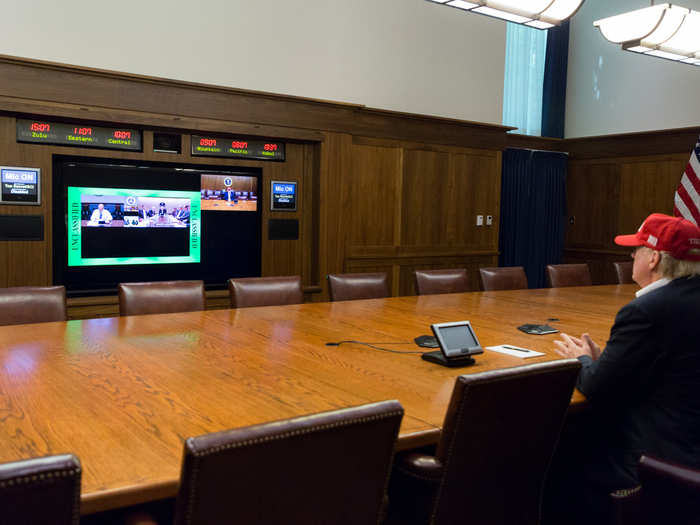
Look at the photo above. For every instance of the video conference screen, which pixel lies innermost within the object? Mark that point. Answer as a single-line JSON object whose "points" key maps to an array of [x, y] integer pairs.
{"points": [[112, 226], [116, 222], [229, 193]]}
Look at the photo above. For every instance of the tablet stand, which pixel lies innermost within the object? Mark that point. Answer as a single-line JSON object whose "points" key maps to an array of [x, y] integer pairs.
{"points": [[452, 362]]}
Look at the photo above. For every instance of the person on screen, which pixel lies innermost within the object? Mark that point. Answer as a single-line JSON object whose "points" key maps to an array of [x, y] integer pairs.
{"points": [[229, 195], [100, 215], [644, 387]]}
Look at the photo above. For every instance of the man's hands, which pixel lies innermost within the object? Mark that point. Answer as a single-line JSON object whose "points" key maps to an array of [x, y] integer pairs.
{"points": [[574, 347]]}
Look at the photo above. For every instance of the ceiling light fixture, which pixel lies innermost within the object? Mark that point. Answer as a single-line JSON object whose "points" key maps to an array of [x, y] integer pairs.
{"points": [[663, 30], [540, 14]]}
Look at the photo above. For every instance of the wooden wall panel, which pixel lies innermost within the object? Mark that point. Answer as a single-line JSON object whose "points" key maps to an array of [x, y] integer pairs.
{"points": [[477, 191], [647, 185], [373, 194], [593, 199], [426, 190]]}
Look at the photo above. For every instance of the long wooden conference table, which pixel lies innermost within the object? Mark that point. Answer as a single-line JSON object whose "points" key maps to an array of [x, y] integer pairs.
{"points": [[123, 393]]}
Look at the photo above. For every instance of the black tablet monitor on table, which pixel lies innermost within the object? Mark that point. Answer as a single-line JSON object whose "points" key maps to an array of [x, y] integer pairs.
{"points": [[458, 343]]}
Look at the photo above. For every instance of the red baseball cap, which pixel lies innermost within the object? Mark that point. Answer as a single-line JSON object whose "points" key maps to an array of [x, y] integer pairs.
{"points": [[675, 235]]}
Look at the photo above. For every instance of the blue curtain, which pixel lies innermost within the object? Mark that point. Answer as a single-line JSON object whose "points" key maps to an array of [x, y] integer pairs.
{"points": [[523, 78], [533, 211], [554, 89]]}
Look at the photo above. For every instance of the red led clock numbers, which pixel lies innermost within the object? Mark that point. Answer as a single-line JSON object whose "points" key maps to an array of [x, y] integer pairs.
{"points": [[40, 126], [78, 134], [237, 148]]}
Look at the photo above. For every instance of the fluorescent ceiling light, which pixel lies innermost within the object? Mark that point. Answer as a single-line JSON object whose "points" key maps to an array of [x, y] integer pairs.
{"points": [[540, 14], [664, 30]]}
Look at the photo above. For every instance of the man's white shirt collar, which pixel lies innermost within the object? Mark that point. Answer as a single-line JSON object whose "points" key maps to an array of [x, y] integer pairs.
{"points": [[653, 286]]}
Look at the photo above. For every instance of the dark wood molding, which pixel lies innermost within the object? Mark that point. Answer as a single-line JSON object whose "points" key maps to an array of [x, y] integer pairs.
{"points": [[515, 140], [634, 144]]}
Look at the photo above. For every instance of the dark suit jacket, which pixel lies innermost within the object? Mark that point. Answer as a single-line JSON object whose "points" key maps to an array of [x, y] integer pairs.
{"points": [[646, 384]]}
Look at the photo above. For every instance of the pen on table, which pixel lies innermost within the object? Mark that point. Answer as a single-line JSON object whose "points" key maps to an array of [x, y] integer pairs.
{"points": [[516, 349]]}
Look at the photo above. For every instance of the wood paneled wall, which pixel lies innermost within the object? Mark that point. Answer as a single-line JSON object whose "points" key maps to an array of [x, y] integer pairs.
{"points": [[396, 206], [378, 190], [614, 183]]}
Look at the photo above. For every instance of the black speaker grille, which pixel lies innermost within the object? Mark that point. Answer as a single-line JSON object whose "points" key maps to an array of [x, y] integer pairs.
{"points": [[21, 228], [167, 142], [283, 229]]}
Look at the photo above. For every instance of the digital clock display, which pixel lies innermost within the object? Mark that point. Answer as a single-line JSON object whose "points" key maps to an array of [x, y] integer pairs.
{"points": [[237, 148], [41, 132]]}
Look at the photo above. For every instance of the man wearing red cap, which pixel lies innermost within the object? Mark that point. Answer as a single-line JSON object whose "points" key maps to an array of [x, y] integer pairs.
{"points": [[644, 387]]}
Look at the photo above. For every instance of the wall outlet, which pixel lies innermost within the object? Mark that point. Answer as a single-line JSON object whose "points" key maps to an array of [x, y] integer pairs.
{"points": [[489, 220], [479, 220]]}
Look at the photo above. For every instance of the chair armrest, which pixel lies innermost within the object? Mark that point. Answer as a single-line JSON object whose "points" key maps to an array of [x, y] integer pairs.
{"points": [[420, 466], [627, 506]]}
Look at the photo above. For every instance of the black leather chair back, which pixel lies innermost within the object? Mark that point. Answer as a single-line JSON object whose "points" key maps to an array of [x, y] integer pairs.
{"points": [[331, 467], [497, 441], [352, 286], [560, 275], [164, 297], [40, 491], [32, 304], [623, 270], [265, 291], [670, 492], [503, 278], [431, 282]]}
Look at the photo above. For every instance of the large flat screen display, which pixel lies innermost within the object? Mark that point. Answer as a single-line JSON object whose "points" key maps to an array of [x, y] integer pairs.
{"points": [[117, 221], [115, 226]]}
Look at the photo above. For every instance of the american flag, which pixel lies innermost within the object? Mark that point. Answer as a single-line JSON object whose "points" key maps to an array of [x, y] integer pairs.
{"points": [[686, 202]]}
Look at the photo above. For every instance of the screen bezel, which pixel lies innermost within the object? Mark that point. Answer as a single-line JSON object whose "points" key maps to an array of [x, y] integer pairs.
{"points": [[472, 350], [214, 270]]}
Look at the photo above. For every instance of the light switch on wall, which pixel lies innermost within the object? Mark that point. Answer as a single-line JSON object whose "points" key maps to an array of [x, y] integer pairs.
{"points": [[489, 220], [479, 220]]}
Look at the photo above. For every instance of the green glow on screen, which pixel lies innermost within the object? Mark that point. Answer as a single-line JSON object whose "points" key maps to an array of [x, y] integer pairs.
{"points": [[75, 257]]}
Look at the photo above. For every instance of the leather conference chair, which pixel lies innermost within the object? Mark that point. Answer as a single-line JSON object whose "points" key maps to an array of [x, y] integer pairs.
{"points": [[164, 297], [265, 291], [560, 275], [32, 304], [40, 491], [497, 440], [669, 493], [624, 272], [432, 282], [330, 467], [352, 286], [503, 278]]}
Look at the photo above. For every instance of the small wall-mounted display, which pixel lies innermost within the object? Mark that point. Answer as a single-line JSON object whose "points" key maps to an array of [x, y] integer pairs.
{"points": [[81, 135], [20, 185], [236, 148], [229, 192], [283, 196]]}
